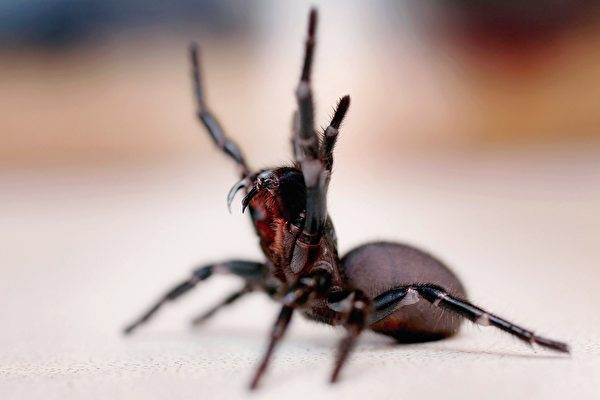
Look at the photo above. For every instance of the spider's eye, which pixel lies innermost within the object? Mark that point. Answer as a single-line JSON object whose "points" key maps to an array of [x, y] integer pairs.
{"points": [[266, 180], [268, 183]]}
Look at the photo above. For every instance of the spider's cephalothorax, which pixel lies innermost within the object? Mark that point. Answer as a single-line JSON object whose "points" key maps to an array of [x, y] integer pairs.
{"points": [[390, 288]]}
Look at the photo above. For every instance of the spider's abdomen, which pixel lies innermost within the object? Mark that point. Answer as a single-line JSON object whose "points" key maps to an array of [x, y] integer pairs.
{"points": [[377, 267]]}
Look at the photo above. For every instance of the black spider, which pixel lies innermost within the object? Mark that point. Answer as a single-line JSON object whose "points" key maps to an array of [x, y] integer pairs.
{"points": [[377, 286]]}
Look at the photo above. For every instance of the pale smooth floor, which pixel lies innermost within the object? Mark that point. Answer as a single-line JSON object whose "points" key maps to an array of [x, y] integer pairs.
{"points": [[84, 252]]}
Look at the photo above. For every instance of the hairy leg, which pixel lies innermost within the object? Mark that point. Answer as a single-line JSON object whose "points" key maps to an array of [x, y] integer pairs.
{"points": [[232, 298], [307, 156], [210, 121], [331, 132], [315, 160], [354, 324], [389, 301], [296, 296], [252, 272]]}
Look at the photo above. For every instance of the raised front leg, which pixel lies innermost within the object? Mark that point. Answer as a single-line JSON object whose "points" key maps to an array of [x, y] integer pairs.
{"points": [[210, 121], [313, 158], [306, 145], [253, 274], [306, 142]]}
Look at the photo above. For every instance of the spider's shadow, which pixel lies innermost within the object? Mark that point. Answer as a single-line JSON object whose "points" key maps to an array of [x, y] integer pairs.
{"points": [[369, 343], [372, 342], [375, 342], [526, 354]]}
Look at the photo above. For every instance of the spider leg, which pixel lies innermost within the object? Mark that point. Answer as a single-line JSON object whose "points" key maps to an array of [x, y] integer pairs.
{"points": [[307, 156], [306, 141], [251, 272], [296, 296], [232, 298], [440, 298], [315, 160], [295, 129], [386, 303], [355, 323], [210, 121], [331, 132], [279, 329]]}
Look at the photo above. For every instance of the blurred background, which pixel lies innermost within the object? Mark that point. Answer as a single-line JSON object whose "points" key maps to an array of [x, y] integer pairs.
{"points": [[106, 82], [474, 132]]}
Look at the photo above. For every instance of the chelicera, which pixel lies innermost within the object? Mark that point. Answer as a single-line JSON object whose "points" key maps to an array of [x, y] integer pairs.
{"points": [[390, 288]]}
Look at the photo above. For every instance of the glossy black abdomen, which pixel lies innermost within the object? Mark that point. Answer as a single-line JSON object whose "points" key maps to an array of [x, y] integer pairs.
{"points": [[377, 267]]}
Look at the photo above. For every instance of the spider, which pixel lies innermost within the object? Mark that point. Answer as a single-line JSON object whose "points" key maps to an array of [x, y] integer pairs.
{"points": [[391, 288]]}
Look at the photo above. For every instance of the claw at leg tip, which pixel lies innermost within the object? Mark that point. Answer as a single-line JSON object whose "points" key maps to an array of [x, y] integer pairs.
{"points": [[333, 379], [254, 384], [128, 330]]}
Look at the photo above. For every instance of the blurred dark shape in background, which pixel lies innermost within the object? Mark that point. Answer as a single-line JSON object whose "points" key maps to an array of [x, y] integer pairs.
{"points": [[56, 24], [514, 25]]}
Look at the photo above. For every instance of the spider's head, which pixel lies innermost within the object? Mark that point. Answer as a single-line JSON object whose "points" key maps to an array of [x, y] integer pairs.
{"points": [[278, 192]]}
